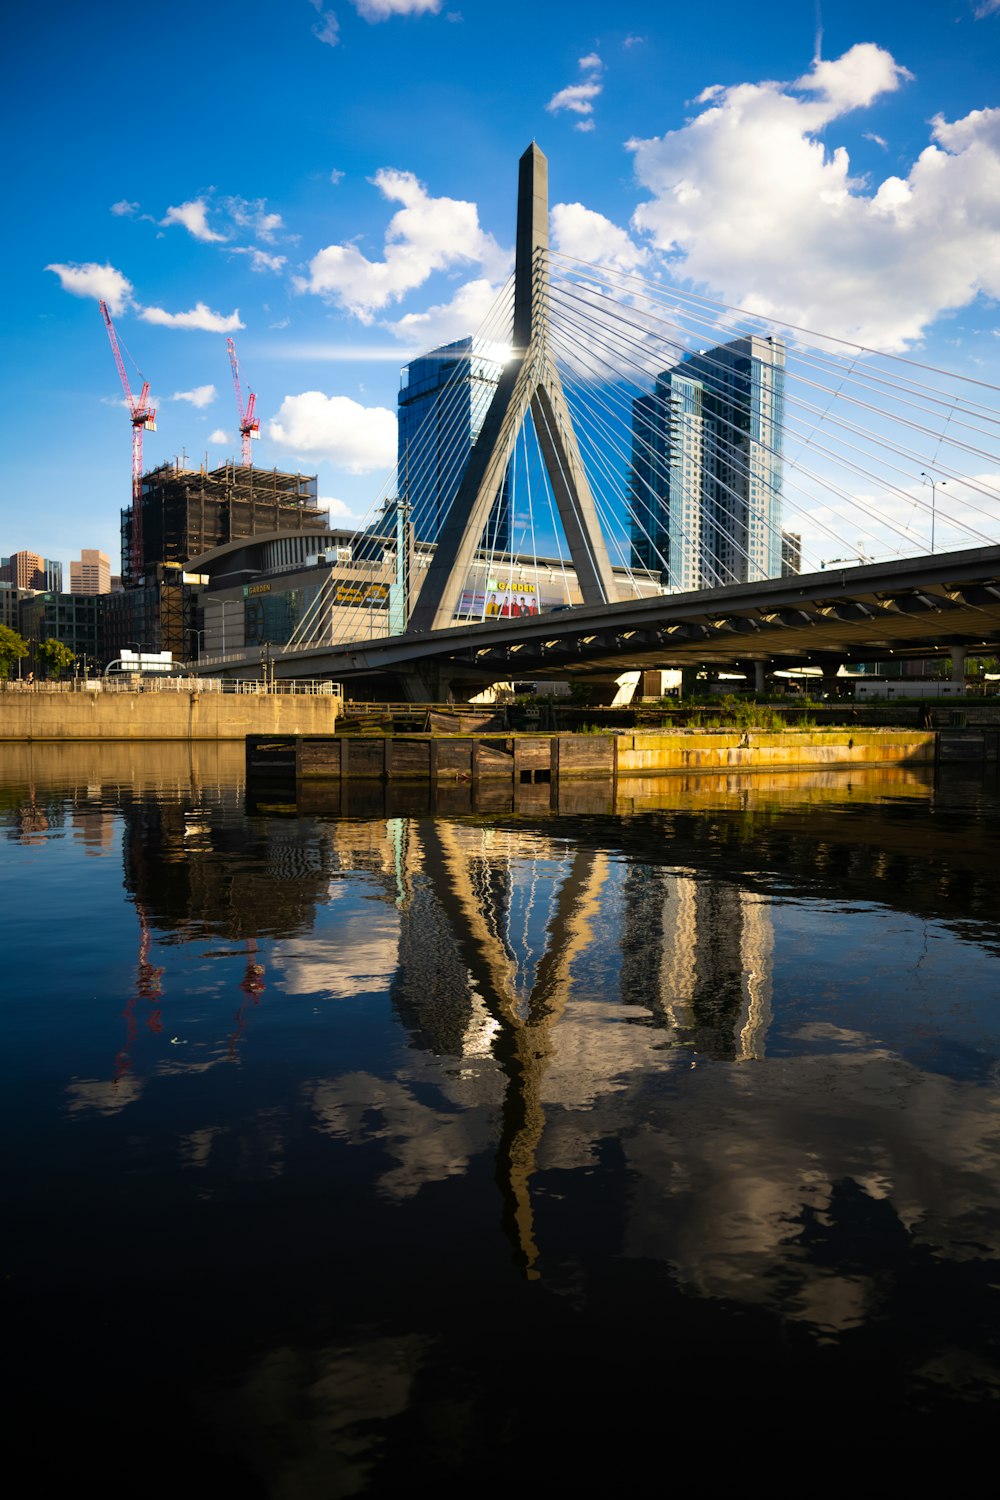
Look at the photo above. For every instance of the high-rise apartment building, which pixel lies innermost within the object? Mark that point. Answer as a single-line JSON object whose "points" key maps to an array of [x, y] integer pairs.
{"points": [[706, 467], [91, 574], [442, 407]]}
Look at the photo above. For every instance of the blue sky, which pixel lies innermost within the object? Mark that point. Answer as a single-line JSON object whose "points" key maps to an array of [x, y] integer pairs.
{"points": [[236, 168]]}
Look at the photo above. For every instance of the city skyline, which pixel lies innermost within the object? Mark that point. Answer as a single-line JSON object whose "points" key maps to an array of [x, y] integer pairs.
{"points": [[336, 242]]}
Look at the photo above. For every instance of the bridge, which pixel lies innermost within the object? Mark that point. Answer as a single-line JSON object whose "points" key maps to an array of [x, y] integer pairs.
{"points": [[665, 478]]}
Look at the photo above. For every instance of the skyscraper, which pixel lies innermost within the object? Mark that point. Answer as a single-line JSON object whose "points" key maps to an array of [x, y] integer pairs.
{"points": [[91, 574], [706, 467], [442, 407]]}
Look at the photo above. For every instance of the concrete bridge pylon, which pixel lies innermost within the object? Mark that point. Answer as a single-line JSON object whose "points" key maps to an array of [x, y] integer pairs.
{"points": [[529, 382]]}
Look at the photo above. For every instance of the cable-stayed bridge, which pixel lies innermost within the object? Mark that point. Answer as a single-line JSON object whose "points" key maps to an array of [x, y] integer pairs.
{"points": [[614, 472]]}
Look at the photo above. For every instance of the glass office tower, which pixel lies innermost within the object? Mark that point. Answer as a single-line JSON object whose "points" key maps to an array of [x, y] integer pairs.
{"points": [[442, 407], [706, 467]]}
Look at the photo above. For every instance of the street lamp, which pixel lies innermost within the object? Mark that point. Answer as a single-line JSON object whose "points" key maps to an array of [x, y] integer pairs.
{"points": [[933, 481]]}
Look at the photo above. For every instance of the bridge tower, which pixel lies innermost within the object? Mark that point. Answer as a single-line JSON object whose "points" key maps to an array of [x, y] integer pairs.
{"points": [[530, 382]]}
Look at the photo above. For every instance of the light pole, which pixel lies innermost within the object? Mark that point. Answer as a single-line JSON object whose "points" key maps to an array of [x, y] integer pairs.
{"points": [[934, 482]]}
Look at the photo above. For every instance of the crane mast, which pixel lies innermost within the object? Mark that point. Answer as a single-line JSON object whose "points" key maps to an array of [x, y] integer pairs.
{"points": [[143, 419], [249, 424]]}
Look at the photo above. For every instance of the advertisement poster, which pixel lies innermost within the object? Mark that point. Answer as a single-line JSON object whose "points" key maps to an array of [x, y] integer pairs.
{"points": [[503, 599]]}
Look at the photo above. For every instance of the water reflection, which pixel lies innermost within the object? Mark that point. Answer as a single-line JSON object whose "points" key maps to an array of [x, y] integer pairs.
{"points": [[408, 1108]]}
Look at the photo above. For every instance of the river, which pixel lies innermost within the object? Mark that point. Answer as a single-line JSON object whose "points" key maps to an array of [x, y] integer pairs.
{"points": [[499, 1145]]}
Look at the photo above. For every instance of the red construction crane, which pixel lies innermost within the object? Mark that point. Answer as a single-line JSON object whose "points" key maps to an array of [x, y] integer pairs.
{"points": [[249, 424], [143, 418]]}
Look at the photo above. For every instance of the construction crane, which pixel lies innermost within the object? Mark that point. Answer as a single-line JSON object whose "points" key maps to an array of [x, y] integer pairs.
{"points": [[143, 419], [249, 424]]}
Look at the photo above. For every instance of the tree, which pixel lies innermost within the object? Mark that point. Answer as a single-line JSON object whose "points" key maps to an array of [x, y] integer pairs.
{"points": [[54, 656], [12, 648]]}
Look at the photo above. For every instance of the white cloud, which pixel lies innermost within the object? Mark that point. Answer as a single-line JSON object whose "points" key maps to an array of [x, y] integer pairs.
{"points": [[124, 209], [194, 218], [336, 176], [586, 235], [201, 395], [986, 8], [200, 316], [633, 41], [103, 283], [579, 98], [253, 214], [218, 436], [354, 437], [341, 513], [869, 135], [585, 125], [449, 320], [327, 28], [260, 260], [752, 204], [426, 235], [384, 10]]}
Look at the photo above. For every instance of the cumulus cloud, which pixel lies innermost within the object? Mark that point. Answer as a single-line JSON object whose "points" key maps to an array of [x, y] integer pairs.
{"points": [[193, 216], [426, 235], [201, 395], [200, 316], [578, 98], [384, 10], [354, 437], [340, 512], [124, 209], [218, 436], [336, 176], [448, 320], [89, 279], [586, 235], [751, 203]]}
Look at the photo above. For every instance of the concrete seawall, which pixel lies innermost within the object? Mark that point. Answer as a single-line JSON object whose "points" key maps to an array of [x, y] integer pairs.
{"points": [[527, 758], [189, 715]]}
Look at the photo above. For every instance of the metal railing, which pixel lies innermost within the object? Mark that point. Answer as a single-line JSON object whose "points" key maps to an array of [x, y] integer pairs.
{"points": [[127, 682]]}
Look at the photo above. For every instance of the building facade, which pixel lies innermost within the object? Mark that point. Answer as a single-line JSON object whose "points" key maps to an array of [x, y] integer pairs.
{"points": [[188, 511], [442, 406], [91, 573], [706, 472], [71, 618]]}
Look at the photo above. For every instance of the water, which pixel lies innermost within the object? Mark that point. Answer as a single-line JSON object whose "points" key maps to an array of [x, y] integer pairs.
{"points": [[492, 1147]]}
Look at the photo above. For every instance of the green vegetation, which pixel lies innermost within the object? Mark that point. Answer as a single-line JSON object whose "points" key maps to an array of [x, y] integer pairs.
{"points": [[54, 657], [13, 648]]}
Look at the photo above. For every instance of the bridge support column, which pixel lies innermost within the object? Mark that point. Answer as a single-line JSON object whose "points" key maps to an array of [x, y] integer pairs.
{"points": [[830, 673], [759, 668], [958, 664]]}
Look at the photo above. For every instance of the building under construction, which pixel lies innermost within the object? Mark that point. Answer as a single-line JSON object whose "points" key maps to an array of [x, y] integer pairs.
{"points": [[186, 512]]}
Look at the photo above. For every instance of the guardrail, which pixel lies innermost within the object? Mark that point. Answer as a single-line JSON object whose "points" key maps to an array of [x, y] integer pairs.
{"points": [[129, 682]]}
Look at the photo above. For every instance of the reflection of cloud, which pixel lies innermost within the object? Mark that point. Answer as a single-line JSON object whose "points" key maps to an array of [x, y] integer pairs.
{"points": [[726, 1181], [428, 1143], [102, 1096], [320, 1414], [361, 955]]}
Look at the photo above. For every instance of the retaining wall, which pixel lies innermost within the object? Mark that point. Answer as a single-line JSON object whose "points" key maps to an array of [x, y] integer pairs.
{"points": [[162, 716]]}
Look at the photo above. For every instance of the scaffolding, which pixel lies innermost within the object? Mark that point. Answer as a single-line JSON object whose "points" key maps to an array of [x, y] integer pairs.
{"points": [[186, 512]]}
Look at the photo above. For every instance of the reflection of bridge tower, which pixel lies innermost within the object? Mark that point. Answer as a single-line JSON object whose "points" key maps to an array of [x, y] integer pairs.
{"points": [[471, 988], [699, 952], [529, 383]]}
